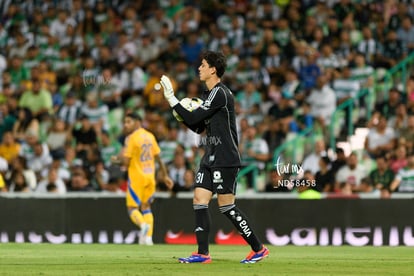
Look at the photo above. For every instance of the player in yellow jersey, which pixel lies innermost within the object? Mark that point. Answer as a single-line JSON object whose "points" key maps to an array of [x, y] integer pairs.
{"points": [[139, 154]]}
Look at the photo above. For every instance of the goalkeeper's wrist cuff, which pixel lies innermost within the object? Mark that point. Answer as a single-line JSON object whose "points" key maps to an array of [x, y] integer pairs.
{"points": [[173, 101]]}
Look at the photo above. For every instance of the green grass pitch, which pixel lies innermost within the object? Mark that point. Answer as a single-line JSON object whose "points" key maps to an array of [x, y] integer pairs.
{"points": [[99, 259]]}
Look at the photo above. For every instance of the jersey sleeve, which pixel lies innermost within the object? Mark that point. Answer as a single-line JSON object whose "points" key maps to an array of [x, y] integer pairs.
{"points": [[197, 128], [129, 146], [211, 105], [155, 148]]}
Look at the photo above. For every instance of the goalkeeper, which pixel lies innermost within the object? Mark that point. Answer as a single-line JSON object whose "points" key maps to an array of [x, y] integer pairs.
{"points": [[221, 162]]}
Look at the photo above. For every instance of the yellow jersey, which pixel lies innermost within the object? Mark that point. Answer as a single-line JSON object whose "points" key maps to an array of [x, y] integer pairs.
{"points": [[9, 152], [141, 147]]}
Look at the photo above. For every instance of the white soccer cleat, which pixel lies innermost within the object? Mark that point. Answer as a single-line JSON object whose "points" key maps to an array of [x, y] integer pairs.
{"points": [[148, 241], [143, 233]]}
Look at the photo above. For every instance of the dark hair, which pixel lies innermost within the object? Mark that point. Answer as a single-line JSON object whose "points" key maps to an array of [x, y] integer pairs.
{"points": [[326, 160], [133, 116], [28, 117], [216, 60]]}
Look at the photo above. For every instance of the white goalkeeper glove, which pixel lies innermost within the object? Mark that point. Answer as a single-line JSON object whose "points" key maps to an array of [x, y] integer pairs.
{"points": [[168, 91]]}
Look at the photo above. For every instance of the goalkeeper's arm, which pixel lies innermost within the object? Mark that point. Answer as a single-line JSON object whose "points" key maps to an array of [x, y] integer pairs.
{"points": [[198, 128]]}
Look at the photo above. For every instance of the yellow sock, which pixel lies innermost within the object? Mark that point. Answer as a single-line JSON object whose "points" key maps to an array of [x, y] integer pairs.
{"points": [[136, 217], [149, 219]]}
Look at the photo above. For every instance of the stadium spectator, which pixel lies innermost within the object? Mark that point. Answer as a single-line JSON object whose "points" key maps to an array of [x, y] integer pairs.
{"points": [[132, 80], [292, 87], [80, 181], [69, 111], [345, 88], [368, 46], [9, 147], [84, 137], [398, 159], [392, 51], [125, 49], [57, 137], [184, 75], [274, 135], [283, 111], [147, 50], [176, 171], [108, 147], [96, 112], [51, 184], [189, 140], [324, 178], [40, 160], [406, 34], [46, 75], [409, 89], [70, 160], [19, 166], [362, 72], [304, 118], [191, 47], [168, 144], [7, 118], [400, 120], [20, 46], [381, 177], [403, 181], [310, 72], [25, 123], [276, 183], [305, 189], [18, 73], [344, 85], [328, 60], [59, 25], [311, 161], [349, 178], [388, 106], [380, 138], [100, 176], [396, 19], [18, 183], [106, 60], [38, 100], [62, 172], [248, 97], [254, 150], [299, 59], [407, 134], [322, 101], [273, 60]]}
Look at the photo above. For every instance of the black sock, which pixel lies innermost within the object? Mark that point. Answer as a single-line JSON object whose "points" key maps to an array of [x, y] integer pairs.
{"points": [[242, 224], [202, 227]]}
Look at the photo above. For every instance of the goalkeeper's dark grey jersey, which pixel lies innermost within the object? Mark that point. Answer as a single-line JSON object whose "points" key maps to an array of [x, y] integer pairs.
{"points": [[216, 115]]}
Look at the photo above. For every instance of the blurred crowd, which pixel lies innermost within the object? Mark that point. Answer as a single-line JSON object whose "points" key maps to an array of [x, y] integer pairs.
{"points": [[70, 69]]}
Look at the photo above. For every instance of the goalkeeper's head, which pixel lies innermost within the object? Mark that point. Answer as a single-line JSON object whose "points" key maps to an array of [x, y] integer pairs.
{"points": [[216, 60]]}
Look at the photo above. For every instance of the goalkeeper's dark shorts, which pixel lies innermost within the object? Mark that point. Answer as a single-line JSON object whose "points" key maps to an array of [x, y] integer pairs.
{"points": [[217, 180]]}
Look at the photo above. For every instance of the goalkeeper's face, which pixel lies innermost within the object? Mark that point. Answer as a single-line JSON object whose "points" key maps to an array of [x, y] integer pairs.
{"points": [[205, 71]]}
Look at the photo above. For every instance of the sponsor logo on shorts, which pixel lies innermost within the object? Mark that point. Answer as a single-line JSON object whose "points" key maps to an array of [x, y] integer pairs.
{"points": [[217, 177]]}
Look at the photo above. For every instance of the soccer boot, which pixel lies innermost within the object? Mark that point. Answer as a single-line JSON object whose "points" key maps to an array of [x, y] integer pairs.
{"points": [[255, 257], [143, 233], [196, 258]]}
